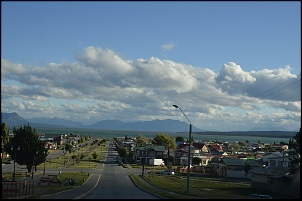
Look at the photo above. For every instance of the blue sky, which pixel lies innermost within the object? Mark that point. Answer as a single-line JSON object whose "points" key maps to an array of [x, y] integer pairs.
{"points": [[84, 60]]}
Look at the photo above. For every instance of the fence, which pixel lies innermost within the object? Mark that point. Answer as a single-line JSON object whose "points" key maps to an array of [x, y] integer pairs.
{"points": [[17, 189]]}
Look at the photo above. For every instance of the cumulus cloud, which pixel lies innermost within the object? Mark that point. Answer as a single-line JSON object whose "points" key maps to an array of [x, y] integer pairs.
{"points": [[168, 46], [276, 84], [10, 70], [100, 84]]}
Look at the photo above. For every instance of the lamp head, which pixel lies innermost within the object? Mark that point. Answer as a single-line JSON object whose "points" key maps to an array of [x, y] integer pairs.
{"points": [[175, 106]]}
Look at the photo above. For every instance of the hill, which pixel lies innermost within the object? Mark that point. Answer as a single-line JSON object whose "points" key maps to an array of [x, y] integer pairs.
{"points": [[168, 125]]}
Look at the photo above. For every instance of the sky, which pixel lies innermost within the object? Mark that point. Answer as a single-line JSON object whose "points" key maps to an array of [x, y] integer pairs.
{"points": [[227, 65]]}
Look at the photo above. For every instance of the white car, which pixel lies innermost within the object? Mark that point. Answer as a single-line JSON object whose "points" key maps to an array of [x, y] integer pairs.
{"points": [[169, 172], [10, 161], [258, 196]]}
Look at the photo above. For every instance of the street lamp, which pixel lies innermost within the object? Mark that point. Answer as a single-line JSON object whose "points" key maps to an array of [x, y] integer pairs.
{"points": [[15, 158], [64, 156], [33, 166], [144, 161], [45, 152], [189, 153]]}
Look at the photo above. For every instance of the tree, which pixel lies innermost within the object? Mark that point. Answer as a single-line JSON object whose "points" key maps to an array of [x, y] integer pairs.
{"points": [[236, 147], [196, 161], [294, 143], [122, 151], [212, 168], [141, 140], [32, 151], [246, 168], [165, 140], [295, 161], [4, 134], [169, 166], [179, 139], [68, 147], [94, 155]]}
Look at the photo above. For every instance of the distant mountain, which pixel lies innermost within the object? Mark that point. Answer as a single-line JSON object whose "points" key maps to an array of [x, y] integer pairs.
{"points": [[269, 129], [167, 125], [13, 119], [56, 121]]}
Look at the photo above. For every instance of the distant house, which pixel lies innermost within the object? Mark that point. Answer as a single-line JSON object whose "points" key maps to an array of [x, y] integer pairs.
{"points": [[279, 147], [144, 153], [41, 135], [72, 139], [199, 150], [233, 167], [215, 149], [277, 180], [275, 175], [276, 159], [59, 140]]}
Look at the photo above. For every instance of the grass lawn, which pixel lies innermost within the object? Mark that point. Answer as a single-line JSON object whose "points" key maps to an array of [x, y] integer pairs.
{"points": [[78, 177], [201, 187]]}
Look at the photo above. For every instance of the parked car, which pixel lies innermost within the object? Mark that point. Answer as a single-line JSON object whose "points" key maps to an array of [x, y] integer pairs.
{"points": [[10, 161], [169, 172], [258, 196]]}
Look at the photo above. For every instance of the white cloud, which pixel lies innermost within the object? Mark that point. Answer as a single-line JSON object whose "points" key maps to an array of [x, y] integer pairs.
{"points": [[168, 46], [102, 85], [10, 69]]}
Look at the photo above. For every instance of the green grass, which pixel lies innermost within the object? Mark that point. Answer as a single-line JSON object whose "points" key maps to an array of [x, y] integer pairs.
{"points": [[78, 177], [86, 162], [200, 187]]}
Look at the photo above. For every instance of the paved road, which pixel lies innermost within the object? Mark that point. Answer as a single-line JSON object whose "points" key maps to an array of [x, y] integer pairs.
{"points": [[108, 181], [115, 183]]}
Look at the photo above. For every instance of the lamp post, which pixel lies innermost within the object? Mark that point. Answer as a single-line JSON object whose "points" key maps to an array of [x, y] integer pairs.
{"points": [[15, 158], [33, 166], [45, 152], [144, 161], [189, 152], [64, 156]]}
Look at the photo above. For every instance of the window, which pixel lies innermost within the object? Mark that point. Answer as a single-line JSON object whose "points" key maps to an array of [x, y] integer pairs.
{"points": [[272, 163], [280, 164], [159, 153]]}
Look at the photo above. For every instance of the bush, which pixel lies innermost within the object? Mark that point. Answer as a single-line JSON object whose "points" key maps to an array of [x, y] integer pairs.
{"points": [[94, 155], [71, 182]]}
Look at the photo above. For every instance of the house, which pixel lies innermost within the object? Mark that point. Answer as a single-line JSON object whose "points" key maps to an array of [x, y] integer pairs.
{"points": [[215, 149], [197, 149], [275, 174], [200, 150], [144, 153], [279, 147], [205, 159], [72, 139], [233, 167], [276, 159], [59, 140], [277, 180]]}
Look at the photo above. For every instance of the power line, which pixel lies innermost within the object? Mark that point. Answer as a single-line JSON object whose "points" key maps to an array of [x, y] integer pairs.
{"points": [[271, 91]]}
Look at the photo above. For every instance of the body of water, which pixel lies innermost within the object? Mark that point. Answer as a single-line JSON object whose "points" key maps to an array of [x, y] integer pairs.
{"points": [[264, 137]]}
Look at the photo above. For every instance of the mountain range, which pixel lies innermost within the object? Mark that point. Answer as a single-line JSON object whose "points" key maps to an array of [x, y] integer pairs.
{"points": [[168, 125]]}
